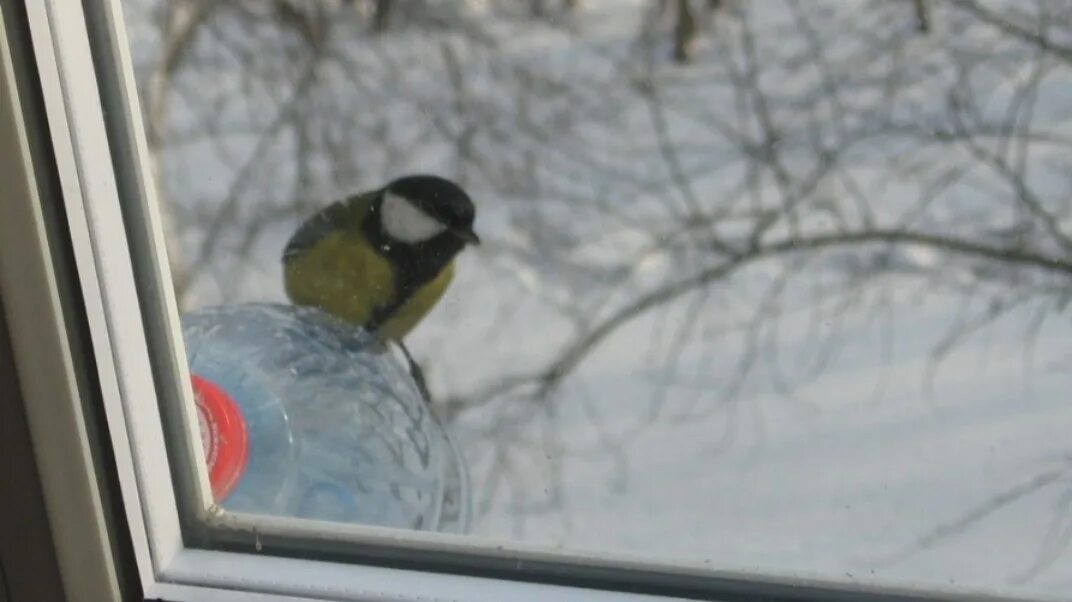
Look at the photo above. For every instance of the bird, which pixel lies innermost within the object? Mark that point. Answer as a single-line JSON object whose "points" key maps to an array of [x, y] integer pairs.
{"points": [[381, 259]]}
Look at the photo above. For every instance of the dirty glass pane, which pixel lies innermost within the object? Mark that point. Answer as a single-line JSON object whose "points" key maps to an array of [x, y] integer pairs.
{"points": [[767, 286]]}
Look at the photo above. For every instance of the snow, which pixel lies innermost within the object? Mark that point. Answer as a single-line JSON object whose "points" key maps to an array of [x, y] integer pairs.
{"points": [[849, 437]]}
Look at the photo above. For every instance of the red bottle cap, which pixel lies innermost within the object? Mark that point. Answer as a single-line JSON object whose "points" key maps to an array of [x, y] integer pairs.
{"points": [[223, 436]]}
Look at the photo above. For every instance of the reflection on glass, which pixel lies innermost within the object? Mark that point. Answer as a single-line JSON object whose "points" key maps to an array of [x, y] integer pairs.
{"points": [[307, 417], [776, 286]]}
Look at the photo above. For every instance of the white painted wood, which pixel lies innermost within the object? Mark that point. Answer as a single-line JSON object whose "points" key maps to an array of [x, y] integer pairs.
{"points": [[44, 363]]}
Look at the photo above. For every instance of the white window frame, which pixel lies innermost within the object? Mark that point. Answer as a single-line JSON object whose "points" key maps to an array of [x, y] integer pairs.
{"points": [[166, 567]]}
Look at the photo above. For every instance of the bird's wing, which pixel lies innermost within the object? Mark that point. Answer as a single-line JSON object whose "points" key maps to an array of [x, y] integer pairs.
{"points": [[332, 218], [329, 264]]}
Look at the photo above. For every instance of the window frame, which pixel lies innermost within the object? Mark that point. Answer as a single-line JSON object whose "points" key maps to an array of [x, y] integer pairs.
{"points": [[81, 55]]}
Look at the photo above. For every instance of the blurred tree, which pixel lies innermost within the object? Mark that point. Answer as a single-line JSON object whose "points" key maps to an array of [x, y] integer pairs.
{"points": [[381, 14], [803, 163], [923, 21]]}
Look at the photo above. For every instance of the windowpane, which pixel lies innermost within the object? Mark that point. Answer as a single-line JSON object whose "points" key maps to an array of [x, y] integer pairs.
{"points": [[775, 287]]}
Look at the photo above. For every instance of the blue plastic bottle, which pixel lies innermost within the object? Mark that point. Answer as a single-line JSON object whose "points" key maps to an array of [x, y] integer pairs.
{"points": [[334, 426]]}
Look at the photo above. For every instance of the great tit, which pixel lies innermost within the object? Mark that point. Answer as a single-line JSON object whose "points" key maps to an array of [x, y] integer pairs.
{"points": [[383, 258]]}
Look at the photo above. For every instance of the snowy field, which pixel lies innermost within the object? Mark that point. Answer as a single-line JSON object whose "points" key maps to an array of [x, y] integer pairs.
{"points": [[875, 387]]}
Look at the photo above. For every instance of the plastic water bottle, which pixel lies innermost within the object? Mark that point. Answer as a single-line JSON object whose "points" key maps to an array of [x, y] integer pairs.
{"points": [[303, 415]]}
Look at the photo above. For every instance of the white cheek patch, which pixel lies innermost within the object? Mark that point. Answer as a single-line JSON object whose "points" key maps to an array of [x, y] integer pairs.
{"points": [[406, 223]]}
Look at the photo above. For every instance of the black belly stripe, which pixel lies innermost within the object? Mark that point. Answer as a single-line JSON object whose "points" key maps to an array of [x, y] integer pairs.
{"points": [[384, 313], [406, 288], [413, 266]]}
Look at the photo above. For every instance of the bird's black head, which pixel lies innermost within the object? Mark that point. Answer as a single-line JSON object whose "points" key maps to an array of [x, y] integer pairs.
{"points": [[416, 209]]}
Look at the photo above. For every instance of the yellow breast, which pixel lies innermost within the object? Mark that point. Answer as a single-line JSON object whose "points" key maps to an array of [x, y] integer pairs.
{"points": [[343, 275]]}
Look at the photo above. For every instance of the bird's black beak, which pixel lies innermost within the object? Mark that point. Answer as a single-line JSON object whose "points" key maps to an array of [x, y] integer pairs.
{"points": [[467, 235]]}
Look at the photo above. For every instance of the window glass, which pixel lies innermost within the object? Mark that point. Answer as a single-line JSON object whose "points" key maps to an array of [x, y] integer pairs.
{"points": [[765, 286]]}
